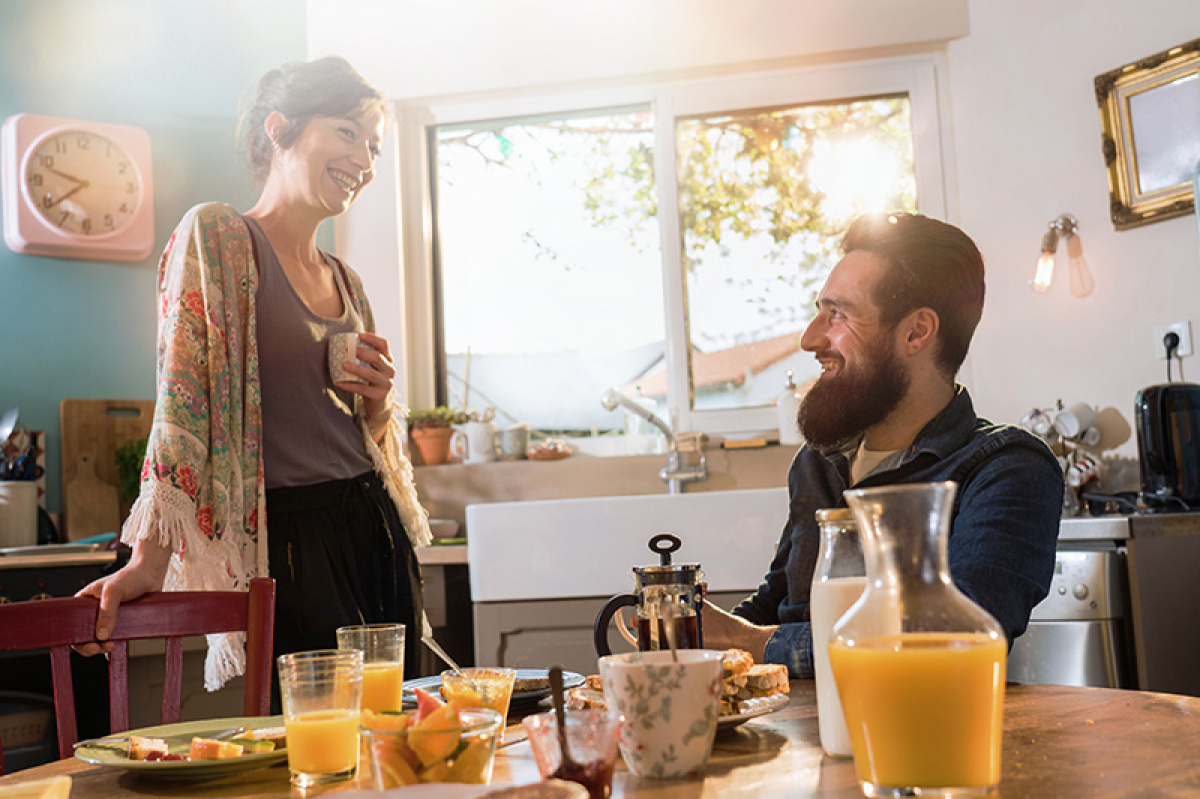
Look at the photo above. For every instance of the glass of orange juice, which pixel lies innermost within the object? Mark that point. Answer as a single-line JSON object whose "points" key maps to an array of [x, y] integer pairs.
{"points": [[382, 646], [480, 687], [322, 700]]}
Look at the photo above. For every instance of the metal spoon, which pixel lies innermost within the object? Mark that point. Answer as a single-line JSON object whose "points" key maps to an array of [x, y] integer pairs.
{"points": [[669, 614], [560, 715], [437, 650]]}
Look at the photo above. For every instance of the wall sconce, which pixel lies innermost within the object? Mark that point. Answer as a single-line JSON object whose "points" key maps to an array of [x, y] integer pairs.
{"points": [[1081, 282]]}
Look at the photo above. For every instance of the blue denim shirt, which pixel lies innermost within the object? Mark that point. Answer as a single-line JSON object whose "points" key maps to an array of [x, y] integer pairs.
{"points": [[1003, 532]]}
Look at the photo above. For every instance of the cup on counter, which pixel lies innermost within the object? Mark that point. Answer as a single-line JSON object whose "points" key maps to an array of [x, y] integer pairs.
{"points": [[1075, 420], [591, 743], [475, 442], [513, 442], [18, 513], [670, 708], [382, 646], [343, 347], [322, 699]]}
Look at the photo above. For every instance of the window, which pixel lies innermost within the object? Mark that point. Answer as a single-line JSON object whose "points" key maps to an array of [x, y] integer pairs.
{"points": [[665, 241]]}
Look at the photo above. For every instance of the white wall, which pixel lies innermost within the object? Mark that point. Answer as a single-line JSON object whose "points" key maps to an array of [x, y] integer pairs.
{"points": [[1027, 145], [1023, 135]]}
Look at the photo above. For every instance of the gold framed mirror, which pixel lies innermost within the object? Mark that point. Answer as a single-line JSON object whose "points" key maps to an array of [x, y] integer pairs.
{"points": [[1150, 125]]}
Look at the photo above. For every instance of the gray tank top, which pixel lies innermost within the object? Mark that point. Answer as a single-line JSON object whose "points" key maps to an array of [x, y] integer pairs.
{"points": [[309, 431]]}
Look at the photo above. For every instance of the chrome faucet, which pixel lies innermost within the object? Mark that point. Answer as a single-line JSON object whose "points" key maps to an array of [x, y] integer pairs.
{"points": [[674, 474]]}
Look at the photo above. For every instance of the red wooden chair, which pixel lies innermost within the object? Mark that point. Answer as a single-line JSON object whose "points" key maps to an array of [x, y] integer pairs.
{"points": [[59, 624]]}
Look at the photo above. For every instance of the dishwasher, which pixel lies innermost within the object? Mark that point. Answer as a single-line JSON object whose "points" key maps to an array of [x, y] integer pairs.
{"points": [[1080, 633]]}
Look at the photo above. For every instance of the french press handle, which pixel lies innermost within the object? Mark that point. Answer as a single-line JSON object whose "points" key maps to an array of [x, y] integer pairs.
{"points": [[664, 544]]}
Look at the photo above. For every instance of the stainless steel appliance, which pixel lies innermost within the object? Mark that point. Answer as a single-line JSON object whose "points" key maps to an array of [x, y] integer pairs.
{"points": [[1079, 634]]}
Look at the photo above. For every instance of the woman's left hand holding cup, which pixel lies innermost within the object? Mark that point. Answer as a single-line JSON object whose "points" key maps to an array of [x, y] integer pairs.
{"points": [[376, 376]]}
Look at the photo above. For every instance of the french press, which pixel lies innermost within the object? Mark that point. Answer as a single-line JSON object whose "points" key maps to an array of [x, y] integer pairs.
{"points": [[681, 584]]}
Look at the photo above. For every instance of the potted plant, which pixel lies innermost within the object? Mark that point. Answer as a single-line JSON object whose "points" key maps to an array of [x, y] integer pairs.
{"points": [[430, 430]]}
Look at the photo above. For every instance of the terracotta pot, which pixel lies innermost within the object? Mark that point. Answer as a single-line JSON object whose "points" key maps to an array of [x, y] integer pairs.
{"points": [[431, 445]]}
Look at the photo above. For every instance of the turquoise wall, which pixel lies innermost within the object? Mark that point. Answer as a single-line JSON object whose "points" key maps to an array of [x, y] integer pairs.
{"points": [[180, 69]]}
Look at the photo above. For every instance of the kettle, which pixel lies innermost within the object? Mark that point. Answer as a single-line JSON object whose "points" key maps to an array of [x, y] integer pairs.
{"points": [[679, 583]]}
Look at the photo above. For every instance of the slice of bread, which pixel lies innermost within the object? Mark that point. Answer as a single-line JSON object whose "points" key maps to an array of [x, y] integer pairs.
{"points": [[584, 697], [736, 663], [140, 747], [523, 685], [765, 679]]}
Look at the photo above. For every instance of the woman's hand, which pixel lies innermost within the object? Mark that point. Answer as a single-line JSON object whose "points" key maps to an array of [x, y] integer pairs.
{"points": [[379, 374], [144, 573], [723, 630]]}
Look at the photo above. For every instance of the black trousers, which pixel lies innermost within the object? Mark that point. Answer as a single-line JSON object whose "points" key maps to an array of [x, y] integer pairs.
{"points": [[339, 555]]}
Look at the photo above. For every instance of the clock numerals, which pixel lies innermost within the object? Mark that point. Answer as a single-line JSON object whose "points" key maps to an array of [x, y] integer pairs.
{"points": [[83, 183]]}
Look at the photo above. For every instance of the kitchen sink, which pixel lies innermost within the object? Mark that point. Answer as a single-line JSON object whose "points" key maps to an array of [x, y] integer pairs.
{"points": [[585, 547]]}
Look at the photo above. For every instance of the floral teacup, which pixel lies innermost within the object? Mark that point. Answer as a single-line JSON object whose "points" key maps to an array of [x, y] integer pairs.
{"points": [[670, 709]]}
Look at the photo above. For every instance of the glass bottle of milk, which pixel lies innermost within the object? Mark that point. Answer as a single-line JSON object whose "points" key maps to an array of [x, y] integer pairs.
{"points": [[838, 581]]}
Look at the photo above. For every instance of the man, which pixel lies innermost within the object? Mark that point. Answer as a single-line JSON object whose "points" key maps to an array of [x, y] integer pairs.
{"points": [[892, 328]]}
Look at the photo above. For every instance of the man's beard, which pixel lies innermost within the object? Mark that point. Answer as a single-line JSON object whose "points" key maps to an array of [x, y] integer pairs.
{"points": [[840, 407]]}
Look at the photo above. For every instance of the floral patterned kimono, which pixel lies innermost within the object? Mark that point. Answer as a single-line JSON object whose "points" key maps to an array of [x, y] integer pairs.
{"points": [[202, 489]]}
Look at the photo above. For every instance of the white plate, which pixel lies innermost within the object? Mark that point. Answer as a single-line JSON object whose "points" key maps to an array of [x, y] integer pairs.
{"points": [[760, 706], [103, 755]]}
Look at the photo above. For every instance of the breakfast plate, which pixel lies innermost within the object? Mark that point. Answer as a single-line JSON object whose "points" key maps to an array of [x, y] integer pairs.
{"points": [[108, 751], [522, 701], [759, 706]]}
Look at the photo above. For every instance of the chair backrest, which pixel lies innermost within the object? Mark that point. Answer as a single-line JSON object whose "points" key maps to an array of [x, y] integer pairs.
{"points": [[59, 624]]}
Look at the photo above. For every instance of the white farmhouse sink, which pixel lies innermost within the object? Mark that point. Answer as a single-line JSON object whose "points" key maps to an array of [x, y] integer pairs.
{"points": [[551, 549]]}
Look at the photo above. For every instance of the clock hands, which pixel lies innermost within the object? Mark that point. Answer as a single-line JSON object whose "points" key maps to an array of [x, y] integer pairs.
{"points": [[82, 185], [71, 178]]}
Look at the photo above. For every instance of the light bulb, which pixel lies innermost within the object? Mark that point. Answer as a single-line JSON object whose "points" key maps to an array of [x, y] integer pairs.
{"points": [[1080, 275], [1045, 265], [1045, 272]]}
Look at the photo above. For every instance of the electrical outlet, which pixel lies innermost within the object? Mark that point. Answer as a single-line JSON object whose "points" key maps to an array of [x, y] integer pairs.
{"points": [[1183, 330]]}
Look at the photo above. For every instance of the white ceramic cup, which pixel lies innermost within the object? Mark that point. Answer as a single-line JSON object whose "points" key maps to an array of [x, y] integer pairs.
{"points": [[475, 442], [343, 347], [1075, 420], [670, 709], [513, 442], [18, 513]]}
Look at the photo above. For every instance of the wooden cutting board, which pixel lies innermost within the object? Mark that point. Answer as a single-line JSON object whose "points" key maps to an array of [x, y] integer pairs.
{"points": [[92, 429]]}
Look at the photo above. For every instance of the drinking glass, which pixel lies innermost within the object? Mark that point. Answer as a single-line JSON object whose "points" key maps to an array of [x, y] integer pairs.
{"points": [[322, 699], [480, 687], [382, 646]]}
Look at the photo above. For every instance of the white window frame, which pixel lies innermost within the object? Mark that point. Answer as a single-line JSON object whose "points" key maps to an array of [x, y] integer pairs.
{"points": [[916, 76]]}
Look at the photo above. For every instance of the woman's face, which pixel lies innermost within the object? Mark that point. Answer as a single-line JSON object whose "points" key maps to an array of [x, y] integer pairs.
{"points": [[329, 163]]}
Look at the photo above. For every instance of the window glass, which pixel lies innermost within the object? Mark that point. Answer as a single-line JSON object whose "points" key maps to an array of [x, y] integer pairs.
{"points": [[764, 197], [549, 263]]}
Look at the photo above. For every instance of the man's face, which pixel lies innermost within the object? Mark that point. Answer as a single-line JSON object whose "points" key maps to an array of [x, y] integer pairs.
{"points": [[862, 379]]}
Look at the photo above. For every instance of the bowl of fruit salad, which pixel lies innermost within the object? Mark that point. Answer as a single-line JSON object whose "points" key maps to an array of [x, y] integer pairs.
{"points": [[438, 742]]}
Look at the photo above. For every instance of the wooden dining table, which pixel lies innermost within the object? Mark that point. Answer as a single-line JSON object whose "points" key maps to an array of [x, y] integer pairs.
{"points": [[1059, 741]]}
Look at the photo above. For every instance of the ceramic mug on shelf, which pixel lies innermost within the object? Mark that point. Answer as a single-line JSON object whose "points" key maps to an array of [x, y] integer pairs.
{"points": [[475, 442]]}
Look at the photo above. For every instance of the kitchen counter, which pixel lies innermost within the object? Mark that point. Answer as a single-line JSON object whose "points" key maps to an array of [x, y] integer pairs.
{"points": [[1058, 741]]}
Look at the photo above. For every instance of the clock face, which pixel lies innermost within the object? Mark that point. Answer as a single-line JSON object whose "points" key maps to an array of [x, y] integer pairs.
{"points": [[83, 183]]}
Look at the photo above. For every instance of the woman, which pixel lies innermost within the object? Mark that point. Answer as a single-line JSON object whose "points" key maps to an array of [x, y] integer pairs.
{"points": [[248, 426]]}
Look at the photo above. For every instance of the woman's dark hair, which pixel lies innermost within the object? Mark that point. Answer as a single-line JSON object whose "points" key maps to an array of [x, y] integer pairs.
{"points": [[931, 264], [301, 90]]}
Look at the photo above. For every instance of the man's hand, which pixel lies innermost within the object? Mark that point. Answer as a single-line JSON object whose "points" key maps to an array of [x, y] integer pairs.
{"points": [[144, 573], [723, 630]]}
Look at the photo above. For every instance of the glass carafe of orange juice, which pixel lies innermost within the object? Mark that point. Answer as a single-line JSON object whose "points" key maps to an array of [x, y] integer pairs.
{"points": [[919, 666]]}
